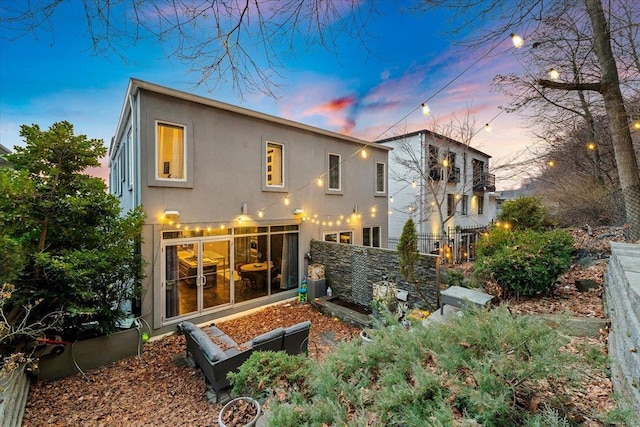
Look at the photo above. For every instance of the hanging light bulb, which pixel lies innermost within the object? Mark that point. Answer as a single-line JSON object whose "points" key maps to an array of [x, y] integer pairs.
{"points": [[391, 199], [260, 213], [414, 184], [363, 153], [517, 40], [636, 125], [554, 74], [286, 201], [319, 182], [487, 127], [425, 109]]}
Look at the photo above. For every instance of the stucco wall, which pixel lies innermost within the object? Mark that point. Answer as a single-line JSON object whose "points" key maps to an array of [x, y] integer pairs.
{"points": [[351, 270]]}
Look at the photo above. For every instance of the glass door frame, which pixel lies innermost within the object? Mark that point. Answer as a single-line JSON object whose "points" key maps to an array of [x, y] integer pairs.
{"points": [[199, 242]]}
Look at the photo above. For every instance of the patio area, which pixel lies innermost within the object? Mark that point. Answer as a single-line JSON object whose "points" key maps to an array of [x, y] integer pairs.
{"points": [[161, 388]]}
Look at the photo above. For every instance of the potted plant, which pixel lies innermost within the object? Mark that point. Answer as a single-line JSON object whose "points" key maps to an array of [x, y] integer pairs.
{"points": [[241, 411], [384, 298]]}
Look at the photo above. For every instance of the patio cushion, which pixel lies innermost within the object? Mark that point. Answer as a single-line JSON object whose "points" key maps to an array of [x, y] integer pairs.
{"points": [[267, 336], [208, 348], [298, 327]]}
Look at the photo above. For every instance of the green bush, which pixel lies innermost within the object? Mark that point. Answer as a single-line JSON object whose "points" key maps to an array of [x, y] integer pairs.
{"points": [[523, 213], [524, 262], [266, 372], [482, 368]]}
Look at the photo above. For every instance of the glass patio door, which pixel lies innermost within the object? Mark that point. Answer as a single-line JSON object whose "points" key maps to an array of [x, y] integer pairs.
{"points": [[196, 276]]}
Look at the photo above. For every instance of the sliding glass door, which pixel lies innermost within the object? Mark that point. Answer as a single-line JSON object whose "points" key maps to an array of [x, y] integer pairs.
{"points": [[197, 276]]}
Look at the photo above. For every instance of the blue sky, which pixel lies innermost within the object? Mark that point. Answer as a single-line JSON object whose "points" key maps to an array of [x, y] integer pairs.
{"points": [[53, 75]]}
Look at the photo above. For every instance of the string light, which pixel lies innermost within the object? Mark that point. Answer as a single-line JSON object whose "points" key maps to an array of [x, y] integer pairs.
{"points": [[320, 182], [260, 213], [363, 153], [554, 74], [487, 127], [517, 40], [286, 201], [425, 109]]}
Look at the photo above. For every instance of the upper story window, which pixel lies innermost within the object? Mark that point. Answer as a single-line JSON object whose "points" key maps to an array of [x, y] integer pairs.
{"points": [[170, 152], [381, 181], [274, 165], [480, 205], [334, 172]]}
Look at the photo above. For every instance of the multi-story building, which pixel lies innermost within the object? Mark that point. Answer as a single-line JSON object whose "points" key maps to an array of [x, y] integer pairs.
{"points": [[233, 198], [442, 184]]}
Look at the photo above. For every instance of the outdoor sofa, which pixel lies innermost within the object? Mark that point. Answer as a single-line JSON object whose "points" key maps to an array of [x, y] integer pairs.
{"points": [[216, 363]]}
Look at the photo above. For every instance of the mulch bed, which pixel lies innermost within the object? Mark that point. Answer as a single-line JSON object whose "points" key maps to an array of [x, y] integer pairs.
{"points": [[157, 390]]}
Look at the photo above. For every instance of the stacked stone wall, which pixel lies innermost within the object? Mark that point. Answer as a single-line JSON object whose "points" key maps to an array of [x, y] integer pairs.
{"points": [[352, 270], [622, 304]]}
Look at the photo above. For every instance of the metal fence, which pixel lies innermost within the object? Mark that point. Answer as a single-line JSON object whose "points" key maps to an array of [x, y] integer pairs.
{"points": [[458, 245]]}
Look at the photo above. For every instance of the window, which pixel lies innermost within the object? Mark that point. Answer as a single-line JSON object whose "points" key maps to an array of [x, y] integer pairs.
{"points": [[433, 164], [451, 204], [339, 237], [465, 205], [170, 152], [275, 165], [371, 236], [334, 172], [480, 205], [380, 177]]}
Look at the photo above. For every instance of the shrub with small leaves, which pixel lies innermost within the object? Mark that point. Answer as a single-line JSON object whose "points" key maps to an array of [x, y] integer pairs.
{"points": [[525, 262], [267, 373]]}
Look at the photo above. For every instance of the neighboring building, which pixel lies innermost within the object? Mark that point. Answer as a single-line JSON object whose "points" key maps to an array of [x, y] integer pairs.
{"points": [[3, 162], [439, 182], [233, 198]]}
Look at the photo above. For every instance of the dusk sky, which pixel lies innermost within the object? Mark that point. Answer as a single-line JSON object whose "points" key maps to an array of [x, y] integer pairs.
{"points": [[53, 76]]}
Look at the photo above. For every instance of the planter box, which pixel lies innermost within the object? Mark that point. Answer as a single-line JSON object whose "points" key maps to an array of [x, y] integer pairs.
{"points": [[90, 353]]}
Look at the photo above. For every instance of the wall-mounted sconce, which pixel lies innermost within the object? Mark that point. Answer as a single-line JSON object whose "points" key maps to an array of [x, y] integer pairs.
{"points": [[298, 211], [171, 215]]}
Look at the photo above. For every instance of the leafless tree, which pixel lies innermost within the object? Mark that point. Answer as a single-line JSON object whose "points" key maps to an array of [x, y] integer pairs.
{"points": [[528, 17], [436, 170], [238, 41]]}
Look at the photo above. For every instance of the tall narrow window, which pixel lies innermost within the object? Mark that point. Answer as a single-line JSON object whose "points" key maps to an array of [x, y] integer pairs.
{"points": [[465, 205], [451, 204], [371, 236], [170, 152], [275, 165], [380, 177], [480, 205], [334, 172]]}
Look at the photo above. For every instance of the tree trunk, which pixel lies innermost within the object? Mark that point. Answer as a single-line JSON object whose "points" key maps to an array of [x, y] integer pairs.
{"points": [[616, 112]]}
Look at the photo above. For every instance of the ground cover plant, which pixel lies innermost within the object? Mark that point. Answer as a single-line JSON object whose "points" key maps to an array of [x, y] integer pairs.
{"points": [[486, 367]]}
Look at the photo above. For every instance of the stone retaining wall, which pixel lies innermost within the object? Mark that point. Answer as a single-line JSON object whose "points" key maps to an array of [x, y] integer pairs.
{"points": [[351, 270], [622, 304]]}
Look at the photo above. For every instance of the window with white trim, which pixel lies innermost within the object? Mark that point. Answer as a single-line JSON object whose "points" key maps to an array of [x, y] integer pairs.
{"points": [[339, 237], [170, 152], [334, 172], [381, 174], [371, 236], [274, 165], [480, 205]]}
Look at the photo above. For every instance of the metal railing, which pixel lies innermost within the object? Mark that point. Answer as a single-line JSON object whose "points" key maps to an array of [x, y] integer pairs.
{"points": [[457, 246]]}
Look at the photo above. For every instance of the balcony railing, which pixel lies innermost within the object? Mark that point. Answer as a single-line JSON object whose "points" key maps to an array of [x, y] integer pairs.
{"points": [[484, 182], [435, 172], [454, 175]]}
